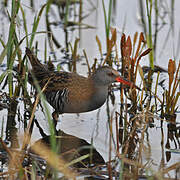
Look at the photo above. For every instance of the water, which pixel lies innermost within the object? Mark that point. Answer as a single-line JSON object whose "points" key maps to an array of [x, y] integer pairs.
{"points": [[94, 125]]}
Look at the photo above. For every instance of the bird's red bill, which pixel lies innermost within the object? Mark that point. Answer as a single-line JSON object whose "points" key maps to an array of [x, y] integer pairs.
{"points": [[123, 81], [126, 82]]}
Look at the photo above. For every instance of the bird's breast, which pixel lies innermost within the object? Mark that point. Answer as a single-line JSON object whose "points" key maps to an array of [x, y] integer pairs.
{"points": [[86, 101]]}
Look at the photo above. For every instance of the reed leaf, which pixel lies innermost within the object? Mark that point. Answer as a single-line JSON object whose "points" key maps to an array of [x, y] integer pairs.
{"points": [[99, 45], [24, 24], [3, 54], [35, 25]]}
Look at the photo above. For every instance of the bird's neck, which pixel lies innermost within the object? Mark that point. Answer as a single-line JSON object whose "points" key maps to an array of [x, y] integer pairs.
{"points": [[100, 93]]}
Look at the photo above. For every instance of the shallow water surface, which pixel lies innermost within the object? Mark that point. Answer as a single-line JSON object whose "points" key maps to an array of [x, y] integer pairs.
{"points": [[154, 145]]}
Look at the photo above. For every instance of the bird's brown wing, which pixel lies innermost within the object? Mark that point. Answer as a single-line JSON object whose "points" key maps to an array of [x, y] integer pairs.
{"points": [[67, 88]]}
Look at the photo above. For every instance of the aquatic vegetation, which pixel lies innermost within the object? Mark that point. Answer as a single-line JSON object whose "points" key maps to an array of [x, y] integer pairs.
{"points": [[134, 117], [171, 95]]}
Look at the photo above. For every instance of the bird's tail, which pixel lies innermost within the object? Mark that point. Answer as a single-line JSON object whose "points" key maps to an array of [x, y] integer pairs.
{"points": [[39, 71], [35, 63]]}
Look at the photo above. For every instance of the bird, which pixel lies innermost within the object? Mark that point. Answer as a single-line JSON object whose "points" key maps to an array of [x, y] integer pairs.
{"points": [[69, 92]]}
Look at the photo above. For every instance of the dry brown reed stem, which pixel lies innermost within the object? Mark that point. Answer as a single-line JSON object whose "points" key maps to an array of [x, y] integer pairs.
{"points": [[130, 136], [87, 62], [147, 51], [134, 42], [110, 146], [53, 159], [116, 58], [141, 145], [170, 168], [129, 161], [111, 43], [171, 71], [155, 96], [144, 114], [176, 81], [26, 172], [99, 45], [74, 55], [141, 39], [171, 97], [27, 135]]}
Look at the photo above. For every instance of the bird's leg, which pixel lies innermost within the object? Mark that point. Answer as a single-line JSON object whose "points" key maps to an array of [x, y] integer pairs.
{"points": [[55, 116]]}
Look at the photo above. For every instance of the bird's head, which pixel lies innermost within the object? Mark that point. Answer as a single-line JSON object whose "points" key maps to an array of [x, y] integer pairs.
{"points": [[105, 76]]}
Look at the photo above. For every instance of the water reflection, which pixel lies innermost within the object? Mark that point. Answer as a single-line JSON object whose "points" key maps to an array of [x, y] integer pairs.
{"points": [[71, 148], [11, 129], [143, 148]]}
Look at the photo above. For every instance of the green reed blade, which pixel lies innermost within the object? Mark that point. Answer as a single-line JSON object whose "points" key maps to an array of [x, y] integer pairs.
{"points": [[24, 24], [150, 45], [10, 45], [35, 25], [3, 54], [67, 12], [105, 18]]}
